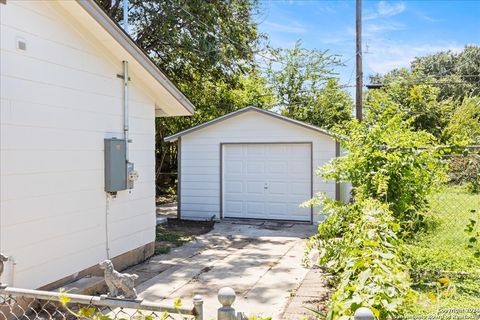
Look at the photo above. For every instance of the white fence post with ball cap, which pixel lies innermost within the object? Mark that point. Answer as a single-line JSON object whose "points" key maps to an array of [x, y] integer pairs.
{"points": [[198, 306], [363, 313], [226, 296]]}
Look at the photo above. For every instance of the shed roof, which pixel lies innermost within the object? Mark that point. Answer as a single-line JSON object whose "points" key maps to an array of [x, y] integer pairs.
{"points": [[170, 100], [174, 137]]}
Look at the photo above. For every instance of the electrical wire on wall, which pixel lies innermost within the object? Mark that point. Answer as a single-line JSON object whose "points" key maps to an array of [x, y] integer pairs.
{"points": [[107, 213]]}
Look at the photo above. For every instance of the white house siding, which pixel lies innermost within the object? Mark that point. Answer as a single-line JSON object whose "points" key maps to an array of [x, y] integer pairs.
{"points": [[59, 99], [200, 157]]}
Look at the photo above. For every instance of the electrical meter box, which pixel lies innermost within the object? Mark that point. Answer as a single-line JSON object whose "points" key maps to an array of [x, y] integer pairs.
{"points": [[115, 165]]}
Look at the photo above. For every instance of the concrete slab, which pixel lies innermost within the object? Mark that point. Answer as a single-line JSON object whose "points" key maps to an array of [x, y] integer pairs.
{"points": [[261, 261], [313, 293]]}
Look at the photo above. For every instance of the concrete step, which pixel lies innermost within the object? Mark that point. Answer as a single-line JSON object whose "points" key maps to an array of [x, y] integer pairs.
{"points": [[89, 285]]}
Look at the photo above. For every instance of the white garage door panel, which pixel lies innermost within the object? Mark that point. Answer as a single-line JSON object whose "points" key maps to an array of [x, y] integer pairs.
{"points": [[266, 181]]}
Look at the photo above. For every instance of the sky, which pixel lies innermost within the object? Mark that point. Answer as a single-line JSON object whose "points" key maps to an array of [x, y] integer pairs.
{"points": [[394, 32]]}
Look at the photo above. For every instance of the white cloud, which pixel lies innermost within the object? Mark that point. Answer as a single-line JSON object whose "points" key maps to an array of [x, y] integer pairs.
{"points": [[386, 55], [293, 27], [386, 9], [372, 28]]}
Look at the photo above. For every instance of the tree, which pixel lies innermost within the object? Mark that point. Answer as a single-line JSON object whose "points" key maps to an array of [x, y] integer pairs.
{"points": [[207, 48], [306, 88], [415, 98], [433, 90], [216, 38], [332, 106], [455, 74]]}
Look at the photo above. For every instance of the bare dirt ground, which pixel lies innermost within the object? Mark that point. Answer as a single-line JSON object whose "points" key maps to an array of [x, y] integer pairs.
{"points": [[177, 232]]}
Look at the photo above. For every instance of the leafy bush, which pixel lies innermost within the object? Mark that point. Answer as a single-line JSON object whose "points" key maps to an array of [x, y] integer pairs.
{"points": [[473, 241], [386, 160], [464, 125], [392, 169], [416, 99], [359, 244]]}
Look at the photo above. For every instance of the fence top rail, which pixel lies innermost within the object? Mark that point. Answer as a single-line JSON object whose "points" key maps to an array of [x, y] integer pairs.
{"points": [[101, 301], [438, 147]]}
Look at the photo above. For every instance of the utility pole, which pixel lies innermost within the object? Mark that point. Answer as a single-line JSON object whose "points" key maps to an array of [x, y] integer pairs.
{"points": [[359, 72]]}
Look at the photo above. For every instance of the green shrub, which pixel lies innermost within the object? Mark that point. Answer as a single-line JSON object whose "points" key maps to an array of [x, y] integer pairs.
{"points": [[464, 125], [359, 244], [387, 161], [474, 235], [393, 169]]}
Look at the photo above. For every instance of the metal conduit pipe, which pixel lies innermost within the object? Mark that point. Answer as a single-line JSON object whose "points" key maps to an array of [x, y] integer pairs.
{"points": [[125, 108]]}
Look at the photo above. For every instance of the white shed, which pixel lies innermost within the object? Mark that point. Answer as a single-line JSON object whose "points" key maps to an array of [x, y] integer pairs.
{"points": [[62, 93], [252, 163]]}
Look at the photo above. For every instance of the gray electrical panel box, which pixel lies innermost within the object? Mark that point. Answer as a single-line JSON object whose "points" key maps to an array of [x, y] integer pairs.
{"points": [[115, 165]]}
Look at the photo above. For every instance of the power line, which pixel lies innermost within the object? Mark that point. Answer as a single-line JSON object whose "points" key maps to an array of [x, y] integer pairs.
{"points": [[460, 75], [420, 82]]}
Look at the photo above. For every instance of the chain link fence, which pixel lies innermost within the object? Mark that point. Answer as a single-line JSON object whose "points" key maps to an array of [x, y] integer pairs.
{"points": [[458, 200], [444, 251], [25, 304]]}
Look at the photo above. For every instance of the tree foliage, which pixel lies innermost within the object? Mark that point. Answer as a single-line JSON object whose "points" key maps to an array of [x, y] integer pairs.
{"points": [[215, 38], [455, 74], [306, 87], [464, 125], [433, 90], [416, 99], [360, 243]]}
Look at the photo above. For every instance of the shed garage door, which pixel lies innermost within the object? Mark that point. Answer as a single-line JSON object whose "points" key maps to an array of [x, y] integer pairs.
{"points": [[266, 181]]}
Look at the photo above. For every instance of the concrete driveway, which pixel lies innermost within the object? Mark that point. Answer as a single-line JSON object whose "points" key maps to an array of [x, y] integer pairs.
{"points": [[261, 261]]}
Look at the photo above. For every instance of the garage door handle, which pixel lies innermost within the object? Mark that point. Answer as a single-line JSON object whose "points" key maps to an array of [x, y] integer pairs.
{"points": [[265, 186]]}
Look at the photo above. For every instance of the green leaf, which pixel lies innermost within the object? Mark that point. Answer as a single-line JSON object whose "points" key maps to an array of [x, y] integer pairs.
{"points": [[64, 299], [177, 303], [165, 316], [363, 276], [387, 255], [86, 312]]}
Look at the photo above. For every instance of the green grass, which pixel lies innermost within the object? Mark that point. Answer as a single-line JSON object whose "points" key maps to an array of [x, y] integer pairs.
{"points": [[166, 239], [444, 271]]}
